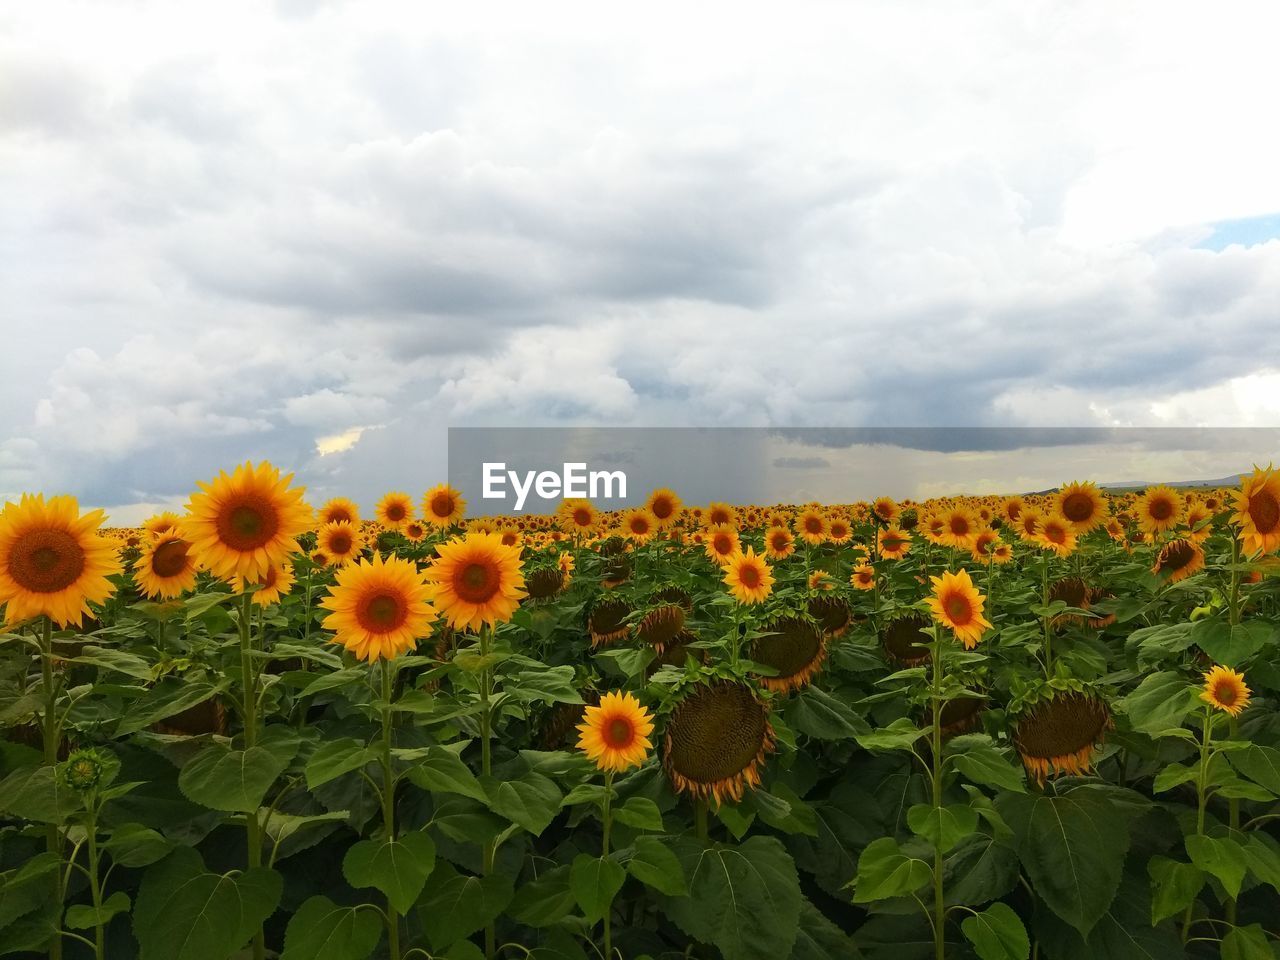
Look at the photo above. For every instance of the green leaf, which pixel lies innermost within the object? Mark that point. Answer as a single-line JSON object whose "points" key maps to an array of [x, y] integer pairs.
{"points": [[398, 868], [119, 661], [654, 865], [641, 813], [980, 870], [546, 900], [1072, 847], [322, 930], [1220, 856], [978, 759], [34, 793], [944, 827], [884, 871], [531, 802], [455, 904], [82, 916], [1174, 775], [1173, 886], [546, 684], [168, 697], [1123, 933], [1230, 645], [997, 933], [744, 899], [133, 845], [595, 881], [902, 734], [1160, 702], [442, 771], [336, 757], [781, 809], [1247, 943], [292, 833], [1260, 764], [1262, 854], [818, 714], [231, 780], [184, 912], [819, 939]]}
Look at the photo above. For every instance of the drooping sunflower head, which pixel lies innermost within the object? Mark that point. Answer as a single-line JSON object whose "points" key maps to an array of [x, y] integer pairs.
{"points": [[340, 541], [721, 542], [793, 646], [960, 715], [53, 562], [660, 625], [1257, 510], [545, 582], [1083, 504], [339, 509], [674, 594], [957, 605], [1179, 559], [394, 510], [903, 639], [443, 506], [894, 543], [246, 523], [615, 734], [165, 569], [379, 608], [664, 506], [1225, 689], [863, 577], [831, 613], [607, 622], [1074, 592], [716, 741], [1159, 509], [748, 577], [779, 543], [1058, 735], [476, 580]]}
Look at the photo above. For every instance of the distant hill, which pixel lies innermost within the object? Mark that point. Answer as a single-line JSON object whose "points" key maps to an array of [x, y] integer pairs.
{"points": [[1231, 481]]}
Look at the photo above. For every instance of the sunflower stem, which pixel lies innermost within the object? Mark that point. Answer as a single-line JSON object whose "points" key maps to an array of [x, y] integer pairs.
{"points": [[1202, 779], [486, 764], [935, 696], [249, 698], [389, 801], [53, 834], [1233, 805], [1048, 621], [604, 855]]}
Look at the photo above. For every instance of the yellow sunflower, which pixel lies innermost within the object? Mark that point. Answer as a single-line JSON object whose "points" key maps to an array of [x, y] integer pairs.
{"points": [[639, 525], [779, 543], [443, 506], [1159, 509], [863, 577], [1179, 559], [165, 568], [811, 524], [615, 735], [414, 532], [821, 580], [1011, 508], [959, 528], [1225, 689], [718, 513], [340, 542], [894, 543], [277, 582], [839, 531], [161, 523], [1083, 504], [1001, 552], [983, 544], [52, 560], [957, 605], [721, 543], [576, 515], [664, 506], [748, 577], [1257, 510], [394, 510], [246, 523], [379, 608], [339, 509], [476, 580], [1055, 532], [886, 509]]}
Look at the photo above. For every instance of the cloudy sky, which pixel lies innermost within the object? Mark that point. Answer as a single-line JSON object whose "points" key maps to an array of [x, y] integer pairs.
{"points": [[323, 231]]}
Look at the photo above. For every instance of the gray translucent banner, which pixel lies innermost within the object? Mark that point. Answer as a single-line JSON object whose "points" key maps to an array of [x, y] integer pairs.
{"points": [[508, 470]]}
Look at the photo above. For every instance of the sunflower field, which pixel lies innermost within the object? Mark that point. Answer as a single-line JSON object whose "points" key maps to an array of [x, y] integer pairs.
{"points": [[992, 727]]}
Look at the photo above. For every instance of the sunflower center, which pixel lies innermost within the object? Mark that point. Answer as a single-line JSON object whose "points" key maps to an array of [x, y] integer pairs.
{"points": [[382, 613], [1062, 727], [1225, 693], [1160, 509], [791, 647], [582, 517], [723, 543], [619, 733], [248, 523], [340, 543], [662, 508], [395, 511], [1177, 555], [958, 609], [959, 526], [749, 576], [338, 515], [476, 582], [1264, 510], [813, 525], [716, 734], [46, 561], [779, 541], [1077, 507], [170, 559]]}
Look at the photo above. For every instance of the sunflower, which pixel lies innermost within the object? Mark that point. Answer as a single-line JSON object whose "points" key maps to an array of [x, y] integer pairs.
{"points": [[510, 536], [339, 509], [340, 542], [960, 715], [983, 544], [1011, 508], [831, 613], [894, 543], [576, 515], [1159, 509], [1028, 523], [1196, 518], [52, 560], [821, 580], [748, 577], [1055, 532], [1059, 734], [379, 608], [1179, 559], [812, 526], [863, 577], [839, 531], [794, 647], [443, 506], [639, 524], [959, 528], [476, 580], [414, 532], [660, 625], [716, 741], [166, 568], [903, 639], [1257, 510], [885, 509], [277, 582], [394, 510], [246, 523], [545, 582], [1001, 552], [779, 543], [935, 529], [664, 506], [1083, 504], [957, 605], [161, 523], [1225, 690], [721, 543], [615, 734], [718, 513], [607, 622]]}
